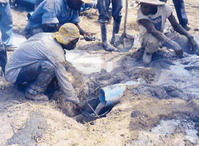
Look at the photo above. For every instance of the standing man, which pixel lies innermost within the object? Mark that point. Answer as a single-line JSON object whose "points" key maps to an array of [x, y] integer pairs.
{"points": [[103, 7], [152, 16], [181, 13], [6, 24], [51, 14], [40, 60], [3, 57], [6, 32]]}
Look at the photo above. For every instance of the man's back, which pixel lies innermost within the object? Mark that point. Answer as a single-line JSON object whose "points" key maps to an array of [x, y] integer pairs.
{"points": [[53, 11], [40, 47]]}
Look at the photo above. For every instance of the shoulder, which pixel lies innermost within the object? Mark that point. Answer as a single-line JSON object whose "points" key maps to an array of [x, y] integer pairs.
{"points": [[167, 10]]}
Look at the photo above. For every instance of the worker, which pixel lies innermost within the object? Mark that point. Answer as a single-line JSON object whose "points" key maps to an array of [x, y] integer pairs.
{"points": [[6, 25], [85, 6], [103, 8], [152, 16], [40, 59], [181, 13], [51, 14]]}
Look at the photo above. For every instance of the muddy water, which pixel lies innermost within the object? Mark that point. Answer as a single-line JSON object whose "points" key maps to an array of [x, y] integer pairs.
{"points": [[88, 63], [183, 74]]}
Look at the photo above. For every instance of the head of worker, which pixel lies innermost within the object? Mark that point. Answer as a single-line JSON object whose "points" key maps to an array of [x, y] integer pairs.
{"points": [[67, 36], [150, 6], [76, 4]]}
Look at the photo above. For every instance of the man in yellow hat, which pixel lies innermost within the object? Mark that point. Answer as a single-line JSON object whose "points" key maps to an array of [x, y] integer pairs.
{"points": [[152, 16], [51, 14], [41, 59]]}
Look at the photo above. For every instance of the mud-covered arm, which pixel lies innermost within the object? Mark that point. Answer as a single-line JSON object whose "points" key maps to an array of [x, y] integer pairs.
{"points": [[66, 86], [178, 28], [160, 36]]}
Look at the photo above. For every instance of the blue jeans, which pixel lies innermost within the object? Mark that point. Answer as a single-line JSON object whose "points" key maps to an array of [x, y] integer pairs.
{"points": [[6, 24], [103, 7], [3, 57], [181, 13]]}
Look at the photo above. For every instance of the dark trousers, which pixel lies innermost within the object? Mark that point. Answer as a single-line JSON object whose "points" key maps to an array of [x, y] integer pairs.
{"points": [[37, 76], [28, 73], [103, 8], [181, 13], [3, 57]]}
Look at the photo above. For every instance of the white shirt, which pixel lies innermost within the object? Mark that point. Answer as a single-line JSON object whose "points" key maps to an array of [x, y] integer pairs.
{"points": [[158, 19]]}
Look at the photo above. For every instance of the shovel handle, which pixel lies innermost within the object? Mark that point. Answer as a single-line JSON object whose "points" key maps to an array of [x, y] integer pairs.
{"points": [[125, 17]]}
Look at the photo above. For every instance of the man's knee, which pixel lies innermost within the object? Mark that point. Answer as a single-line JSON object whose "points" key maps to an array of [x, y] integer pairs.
{"points": [[47, 67], [116, 10], [103, 7], [150, 43]]}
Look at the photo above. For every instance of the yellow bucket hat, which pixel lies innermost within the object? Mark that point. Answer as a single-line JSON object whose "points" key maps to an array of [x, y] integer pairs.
{"points": [[67, 33]]}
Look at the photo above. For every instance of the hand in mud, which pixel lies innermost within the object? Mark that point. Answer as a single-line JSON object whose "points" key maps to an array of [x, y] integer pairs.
{"points": [[89, 36], [194, 45], [178, 50], [179, 53], [80, 106]]}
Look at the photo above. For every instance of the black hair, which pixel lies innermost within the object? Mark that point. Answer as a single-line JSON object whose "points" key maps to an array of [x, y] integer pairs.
{"points": [[71, 44]]}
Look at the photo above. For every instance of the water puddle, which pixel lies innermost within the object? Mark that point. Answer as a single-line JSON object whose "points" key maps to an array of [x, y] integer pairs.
{"points": [[88, 63], [183, 74]]}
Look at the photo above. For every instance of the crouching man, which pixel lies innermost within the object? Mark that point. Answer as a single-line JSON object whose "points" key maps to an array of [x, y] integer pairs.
{"points": [[51, 14], [152, 16], [40, 59]]}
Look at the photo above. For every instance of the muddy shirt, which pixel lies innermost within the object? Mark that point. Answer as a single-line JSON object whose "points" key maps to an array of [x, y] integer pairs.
{"points": [[52, 11], [158, 19], [40, 47]]}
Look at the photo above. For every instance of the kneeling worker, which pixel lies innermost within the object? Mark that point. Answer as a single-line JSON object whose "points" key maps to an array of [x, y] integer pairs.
{"points": [[152, 16], [51, 14], [40, 59]]}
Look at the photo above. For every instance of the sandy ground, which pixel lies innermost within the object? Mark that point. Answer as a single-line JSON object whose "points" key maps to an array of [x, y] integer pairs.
{"points": [[137, 120]]}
